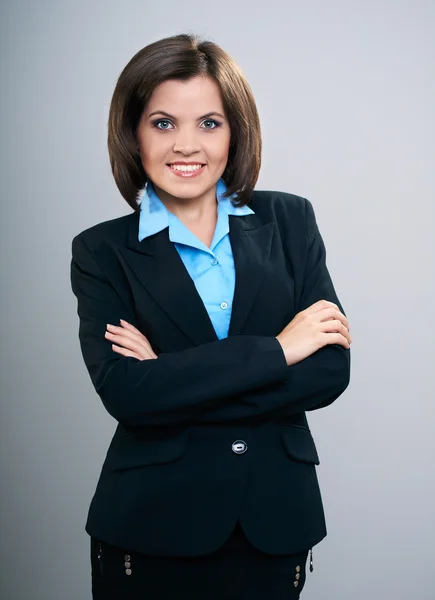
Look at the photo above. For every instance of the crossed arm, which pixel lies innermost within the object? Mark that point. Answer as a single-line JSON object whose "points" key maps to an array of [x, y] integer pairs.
{"points": [[306, 366]]}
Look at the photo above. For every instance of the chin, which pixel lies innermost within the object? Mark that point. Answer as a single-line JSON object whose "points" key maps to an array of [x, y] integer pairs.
{"points": [[187, 189]]}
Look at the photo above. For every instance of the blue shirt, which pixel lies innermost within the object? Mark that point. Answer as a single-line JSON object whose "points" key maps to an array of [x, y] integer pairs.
{"points": [[211, 269]]}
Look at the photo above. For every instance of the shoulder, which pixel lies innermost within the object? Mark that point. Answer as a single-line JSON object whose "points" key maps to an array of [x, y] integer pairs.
{"points": [[275, 202], [113, 232], [281, 207]]}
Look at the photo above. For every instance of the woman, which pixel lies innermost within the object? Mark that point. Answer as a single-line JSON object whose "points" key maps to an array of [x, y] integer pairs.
{"points": [[209, 325]]}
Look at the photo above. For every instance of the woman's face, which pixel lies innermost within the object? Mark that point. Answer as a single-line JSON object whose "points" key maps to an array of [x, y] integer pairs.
{"points": [[184, 138]]}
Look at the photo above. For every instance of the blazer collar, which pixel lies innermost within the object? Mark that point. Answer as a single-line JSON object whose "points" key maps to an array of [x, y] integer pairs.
{"points": [[159, 268]]}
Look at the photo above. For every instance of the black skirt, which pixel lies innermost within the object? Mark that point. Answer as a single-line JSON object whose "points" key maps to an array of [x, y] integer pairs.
{"points": [[236, 571]]}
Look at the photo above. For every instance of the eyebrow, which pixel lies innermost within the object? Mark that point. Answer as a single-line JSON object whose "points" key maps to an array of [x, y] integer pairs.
{"points": [[162, 112]]}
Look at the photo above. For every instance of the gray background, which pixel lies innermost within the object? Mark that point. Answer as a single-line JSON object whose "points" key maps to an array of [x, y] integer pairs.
{"points": [[346, 94]]}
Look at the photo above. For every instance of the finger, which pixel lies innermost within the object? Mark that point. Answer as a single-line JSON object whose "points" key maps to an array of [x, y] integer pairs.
{"points": [[336, 326], [125, 332], [130, 331], [336, 338], [130, 344], [125, 352], [344, 331], [320, 305], [129, 326], [332, 313], [135, 335]]}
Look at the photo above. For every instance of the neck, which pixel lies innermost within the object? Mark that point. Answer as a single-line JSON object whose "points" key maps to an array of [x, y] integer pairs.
{"points": [[190, 210]]}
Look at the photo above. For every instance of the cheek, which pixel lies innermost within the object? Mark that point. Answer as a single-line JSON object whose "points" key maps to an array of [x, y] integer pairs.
{"points": [[152, 153], [221, 149]]}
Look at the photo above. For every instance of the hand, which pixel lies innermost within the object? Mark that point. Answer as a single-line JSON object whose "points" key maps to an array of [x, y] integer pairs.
{"points": [[317, 326], [129, 341]]}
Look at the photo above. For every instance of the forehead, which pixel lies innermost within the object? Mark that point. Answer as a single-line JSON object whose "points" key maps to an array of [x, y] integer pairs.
{"points": [[198, 95]]}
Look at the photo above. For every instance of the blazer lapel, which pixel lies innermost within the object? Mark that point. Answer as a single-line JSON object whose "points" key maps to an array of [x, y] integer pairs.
{"points": [[251, 242], [159, 268]]}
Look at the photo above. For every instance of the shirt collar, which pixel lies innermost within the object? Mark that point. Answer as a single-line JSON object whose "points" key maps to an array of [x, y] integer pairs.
{"points": [[154, 216]]}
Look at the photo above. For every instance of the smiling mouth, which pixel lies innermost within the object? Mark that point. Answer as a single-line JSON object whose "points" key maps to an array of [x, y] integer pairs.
{"points": [[186, 171], [188, 168]]}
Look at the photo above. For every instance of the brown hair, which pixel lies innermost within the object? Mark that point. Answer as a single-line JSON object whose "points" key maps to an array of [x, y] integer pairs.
{"points": [[183, 57]]}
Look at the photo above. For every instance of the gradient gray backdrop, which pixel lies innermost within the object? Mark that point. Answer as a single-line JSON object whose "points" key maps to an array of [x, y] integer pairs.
{"points": [[346, 94]]}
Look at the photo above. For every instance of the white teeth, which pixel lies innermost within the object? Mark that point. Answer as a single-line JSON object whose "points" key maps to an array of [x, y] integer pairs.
{"points": [[185, 168]]}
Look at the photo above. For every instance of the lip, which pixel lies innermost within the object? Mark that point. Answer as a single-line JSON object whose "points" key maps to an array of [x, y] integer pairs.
{"points": [[183, 163], [187, 175]]}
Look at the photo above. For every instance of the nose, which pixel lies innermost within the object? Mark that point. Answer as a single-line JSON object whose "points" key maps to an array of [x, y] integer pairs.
{"points": [[186, 142]]}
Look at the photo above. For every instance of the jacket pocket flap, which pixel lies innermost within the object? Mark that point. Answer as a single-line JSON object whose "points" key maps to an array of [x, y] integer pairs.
{"points": [[299, 444], [140, 450]]}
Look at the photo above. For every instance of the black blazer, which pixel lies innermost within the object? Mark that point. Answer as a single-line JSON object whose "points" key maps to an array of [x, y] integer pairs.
{"points": [[172, 482]]}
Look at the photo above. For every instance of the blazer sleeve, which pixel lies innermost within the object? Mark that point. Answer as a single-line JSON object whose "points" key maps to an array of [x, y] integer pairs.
{"points": [[236, 379], [314, 382], [175, 387]]}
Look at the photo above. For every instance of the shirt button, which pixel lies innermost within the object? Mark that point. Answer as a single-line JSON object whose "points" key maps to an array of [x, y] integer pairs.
{"points": [[224, 305], [214, 262], [239, 447]]}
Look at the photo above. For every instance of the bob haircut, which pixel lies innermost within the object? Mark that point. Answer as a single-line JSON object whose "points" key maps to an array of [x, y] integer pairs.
{"points": [[183, 57]]}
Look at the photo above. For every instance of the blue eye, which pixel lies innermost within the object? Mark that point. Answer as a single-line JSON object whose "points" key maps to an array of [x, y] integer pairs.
{"points": [[211, 124], [165, 124], [162, 124]]}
